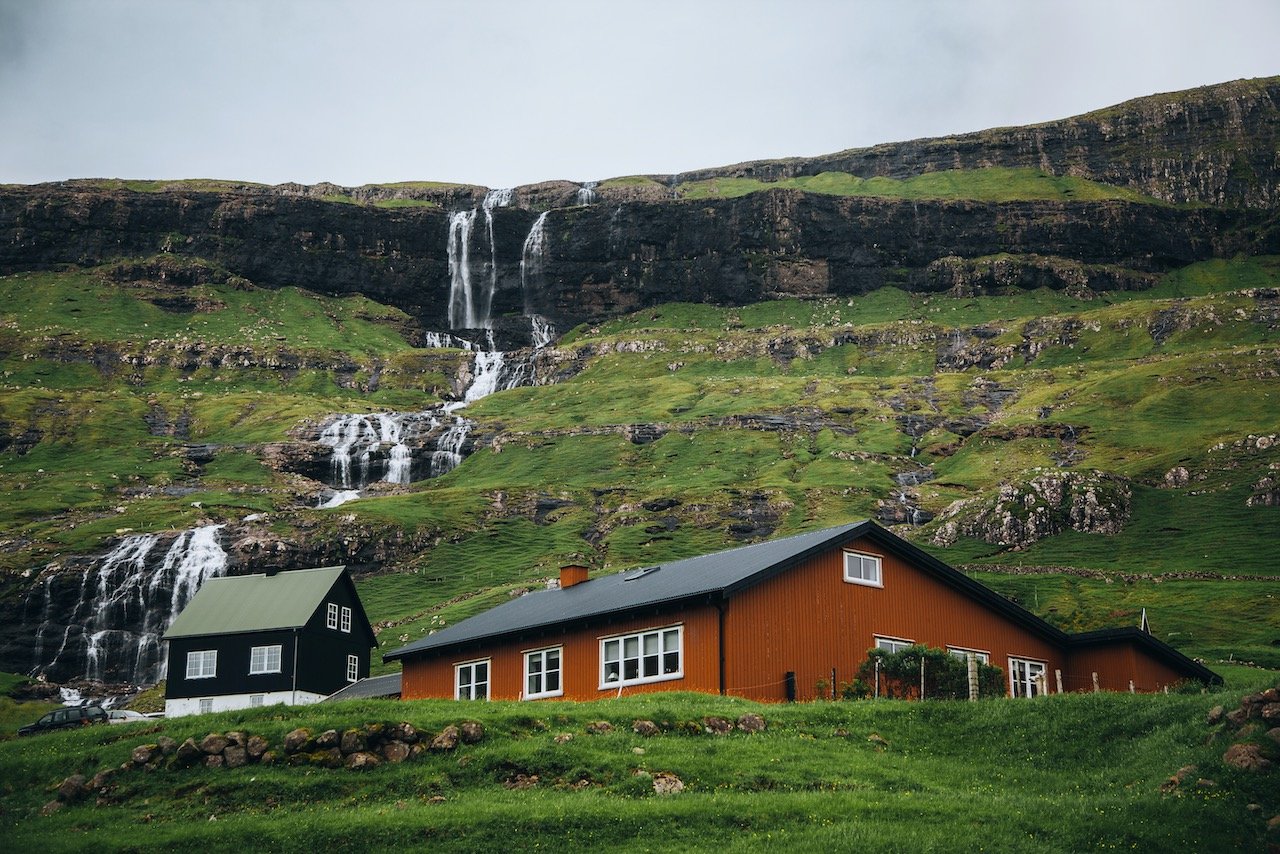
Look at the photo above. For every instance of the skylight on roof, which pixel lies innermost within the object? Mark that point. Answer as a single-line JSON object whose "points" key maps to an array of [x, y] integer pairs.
{"points": [[641, 573]]}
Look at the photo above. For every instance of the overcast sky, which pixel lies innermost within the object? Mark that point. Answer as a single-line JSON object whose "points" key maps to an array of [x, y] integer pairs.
{"points": [[507, 93]]}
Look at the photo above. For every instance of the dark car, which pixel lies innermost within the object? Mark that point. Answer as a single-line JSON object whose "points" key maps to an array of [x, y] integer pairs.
{"points": [[64, 718]]}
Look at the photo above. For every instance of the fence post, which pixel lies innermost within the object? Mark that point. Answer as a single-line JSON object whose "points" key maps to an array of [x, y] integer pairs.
{"points": [[922, 676], [833, 683], [877, 692], [1057, 673], [1131, 690], [1041, 684], [790, 679], [1096, 689], [972, 661]]}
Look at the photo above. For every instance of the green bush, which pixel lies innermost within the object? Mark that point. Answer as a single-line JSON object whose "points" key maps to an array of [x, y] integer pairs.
{"points": [[946, 676]]}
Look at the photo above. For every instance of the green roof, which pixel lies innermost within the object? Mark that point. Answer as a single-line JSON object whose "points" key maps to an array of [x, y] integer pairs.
{"points": [[254, 603]]}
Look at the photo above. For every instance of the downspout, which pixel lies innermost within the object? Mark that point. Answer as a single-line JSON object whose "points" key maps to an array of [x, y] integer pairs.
{"points": [[294, 701]]}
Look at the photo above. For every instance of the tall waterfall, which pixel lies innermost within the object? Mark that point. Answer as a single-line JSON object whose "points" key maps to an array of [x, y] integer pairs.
{"points": [[532, 255], [462, 313], [587, 194], [124, 603]]}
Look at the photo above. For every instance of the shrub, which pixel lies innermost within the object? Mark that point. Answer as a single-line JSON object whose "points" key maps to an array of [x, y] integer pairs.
{"points": [[946, 676]]}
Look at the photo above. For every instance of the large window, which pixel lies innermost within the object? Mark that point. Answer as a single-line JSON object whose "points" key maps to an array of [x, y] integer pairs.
{"points": [[892, 645], [862, 569], [643, 657], [353, 668], [471, 680], [331, 618], [346, 618], [542, 673], [264, 659], [1026, 677], [202, 664]]}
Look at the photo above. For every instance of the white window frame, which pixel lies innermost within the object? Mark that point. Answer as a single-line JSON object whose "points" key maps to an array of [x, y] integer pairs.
{"points": [[346, 619], [331, 618], [962, 652], [261, 659], [617, 652], [205, 705], [891, 644], [255, 700], [353, 668], [202, 664], [536, 681], [1022, 678], [468, 690], [862, 568]]}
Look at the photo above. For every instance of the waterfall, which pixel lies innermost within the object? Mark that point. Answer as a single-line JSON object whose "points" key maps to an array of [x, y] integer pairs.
{"points": [[541, 331], [531, 259], [461, 305], [124, 604], [444, 341], [492, 199], [587, 193], [359, 440]]}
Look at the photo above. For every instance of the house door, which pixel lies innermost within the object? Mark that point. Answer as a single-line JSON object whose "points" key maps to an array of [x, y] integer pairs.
{"points": [[1026, 677]]}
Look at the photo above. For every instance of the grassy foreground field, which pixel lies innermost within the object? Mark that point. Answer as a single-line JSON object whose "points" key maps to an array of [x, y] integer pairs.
{"points": [[1061, 773]]}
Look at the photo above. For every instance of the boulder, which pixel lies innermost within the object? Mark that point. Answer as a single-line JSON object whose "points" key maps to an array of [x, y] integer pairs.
{"points": [[102, 779], [214, 761], [644, 728], [1274, 734], [1237, 717], [327, 739], [471, 732], [237, 739], [188, 752], [405, 731], [395, 751], [1271, 712], [236, 757], [361, 760], [717, 725], [878, 740], [144, 753], [666, 783], [1246, 757], [51, 808], [751, 722], [327, 758], [73, 788], [268, 758], [167, 745], [563, 738], [447, 739], [521, 781], [298, 741], [1215, 715], [213, 744], [352, 741], [599, 728], [256, 747]]}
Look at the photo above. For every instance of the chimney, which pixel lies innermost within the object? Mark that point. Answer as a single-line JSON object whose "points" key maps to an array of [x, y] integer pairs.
{"points": [[571, 575]]}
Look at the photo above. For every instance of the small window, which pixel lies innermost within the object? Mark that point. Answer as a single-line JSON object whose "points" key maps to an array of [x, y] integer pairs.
{"points": [[862, 569], [353, 668], [206, 705], [202, 664], [264, 659], [471, 680], [255, 700], [542, 673], [963, 653], [651, 656], [1026, 677], [346, 619], [892, 645], [331, 619]]}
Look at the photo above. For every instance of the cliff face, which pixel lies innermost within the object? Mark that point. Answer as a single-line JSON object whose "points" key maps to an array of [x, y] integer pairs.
{"points": [[629, 246]]}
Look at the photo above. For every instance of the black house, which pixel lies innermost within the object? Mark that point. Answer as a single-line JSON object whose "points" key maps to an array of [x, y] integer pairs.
{"points": [[255, 640]]}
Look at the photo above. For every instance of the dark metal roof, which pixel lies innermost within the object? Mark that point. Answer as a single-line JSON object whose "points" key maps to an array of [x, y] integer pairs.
{"points": [[718, 576], [371, 687]]}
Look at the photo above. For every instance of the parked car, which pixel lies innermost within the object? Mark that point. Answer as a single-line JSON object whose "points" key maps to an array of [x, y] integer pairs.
{"points": [[71, 716], [124, 716]]}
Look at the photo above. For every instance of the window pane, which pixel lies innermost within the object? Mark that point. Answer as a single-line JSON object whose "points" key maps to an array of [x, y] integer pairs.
{"points": [[630, 647], [553, 680], [482, 672], [631, 669], [651, 644], [671, 639], [611, 650], [651, 665], [671, 662], [553, 660]]}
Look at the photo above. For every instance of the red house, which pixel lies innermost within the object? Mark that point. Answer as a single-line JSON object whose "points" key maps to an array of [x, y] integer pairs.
{"points": [[767, 622]]}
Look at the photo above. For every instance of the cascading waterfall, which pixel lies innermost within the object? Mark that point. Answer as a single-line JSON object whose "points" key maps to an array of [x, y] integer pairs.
{"points": [[541, 331], [461, 305], [445, 341], [356, 439], [532, 255], [587, 194], [125, 602]]}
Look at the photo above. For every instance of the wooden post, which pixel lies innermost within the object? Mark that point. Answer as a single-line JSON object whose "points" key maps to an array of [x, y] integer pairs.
{"points": [[833, 683], [790, 679], [1057, 674], [1096, 689], [972, 661], [922, 676], [1131, 691], [877, 693], [1041, 685]]}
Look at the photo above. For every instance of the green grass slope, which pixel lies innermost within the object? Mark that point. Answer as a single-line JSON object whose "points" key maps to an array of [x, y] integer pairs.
{"points": [[1063, 773]]}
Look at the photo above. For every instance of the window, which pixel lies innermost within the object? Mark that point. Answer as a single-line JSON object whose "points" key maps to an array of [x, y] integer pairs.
{"points": [[542, 673], [892, 645], [202, 664], [346, 619], [963, 653], [255, 700], [471, 680], [353, 668], [1026, 677], [643, 657], [862, 569], [206, 705], [331, 619], [264, 659]]}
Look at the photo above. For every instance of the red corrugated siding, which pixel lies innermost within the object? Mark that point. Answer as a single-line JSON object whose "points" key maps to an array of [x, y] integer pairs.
{"points": [[809, 620], [580, 661], [1115, 666]]}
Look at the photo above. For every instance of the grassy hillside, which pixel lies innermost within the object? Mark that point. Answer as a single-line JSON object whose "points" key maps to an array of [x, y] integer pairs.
{"points": [[1063, 773], [769, 419]]}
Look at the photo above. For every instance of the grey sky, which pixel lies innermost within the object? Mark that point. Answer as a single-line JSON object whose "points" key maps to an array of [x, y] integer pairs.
{"points": [[506, 93]]}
